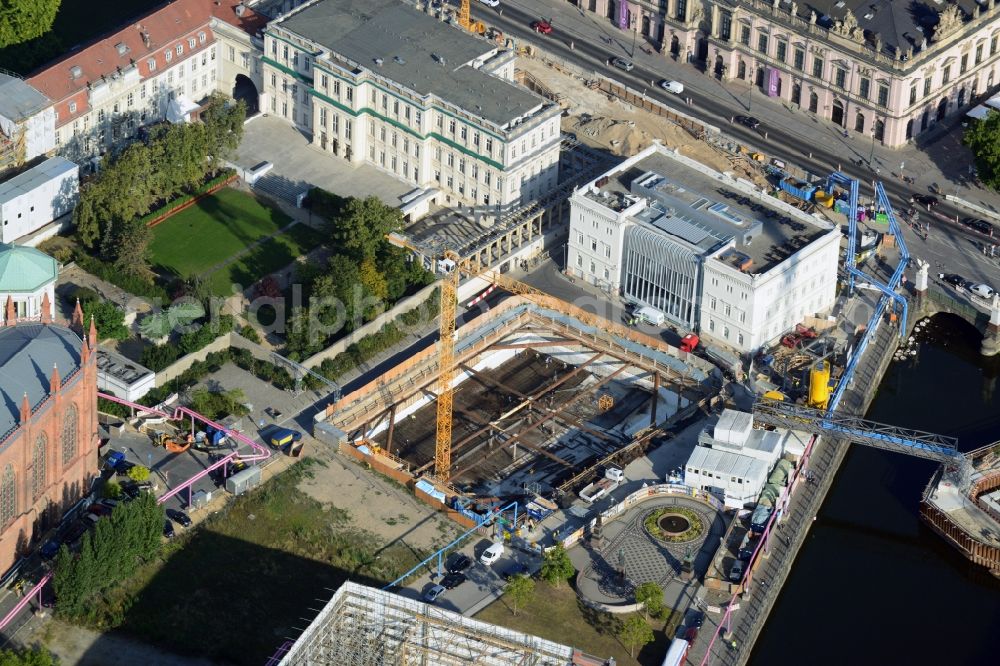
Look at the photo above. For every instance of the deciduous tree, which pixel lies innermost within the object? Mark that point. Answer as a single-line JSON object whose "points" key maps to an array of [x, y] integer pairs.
{"points": [[651, 596], [21, 20], [983, 138], [520, 589], [108, 318], [556, 566], [635, 632], [363, 226]]}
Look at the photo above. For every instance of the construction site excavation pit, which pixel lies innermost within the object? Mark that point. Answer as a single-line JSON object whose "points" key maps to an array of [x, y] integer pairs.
{"points": [[543, 393]]}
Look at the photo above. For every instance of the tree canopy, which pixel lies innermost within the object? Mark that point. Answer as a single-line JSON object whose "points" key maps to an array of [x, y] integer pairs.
{"points": [[651, 596], [108, 318], [556, 566], [34, 656], [21, 20], [519, 590], [983, 138], [635, 633], [362, 226], [174, 160]]}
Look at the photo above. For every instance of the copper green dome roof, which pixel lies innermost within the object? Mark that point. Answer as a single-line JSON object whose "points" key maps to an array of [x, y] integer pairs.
{"points": [[25, 269]]}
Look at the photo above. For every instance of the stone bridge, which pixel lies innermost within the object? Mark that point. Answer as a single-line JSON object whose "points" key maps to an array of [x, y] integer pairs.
{"points": [[932, 299]]}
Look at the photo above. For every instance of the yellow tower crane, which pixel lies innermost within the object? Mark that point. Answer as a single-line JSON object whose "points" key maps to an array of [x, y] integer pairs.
{"points": [[465, 19], [446, 353]]}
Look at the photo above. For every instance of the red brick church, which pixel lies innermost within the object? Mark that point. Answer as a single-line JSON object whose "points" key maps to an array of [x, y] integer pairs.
{"points": [[48, 424]]}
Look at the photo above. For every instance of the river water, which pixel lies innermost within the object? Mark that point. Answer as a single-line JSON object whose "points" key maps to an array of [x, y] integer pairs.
{"points": [[872, 584]]}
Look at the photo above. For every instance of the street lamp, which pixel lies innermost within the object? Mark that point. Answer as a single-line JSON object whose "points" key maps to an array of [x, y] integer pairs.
{"points": [[634, 23]]}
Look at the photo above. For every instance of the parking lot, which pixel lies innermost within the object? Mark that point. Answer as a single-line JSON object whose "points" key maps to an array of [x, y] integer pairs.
{"points": [[481, 583]]}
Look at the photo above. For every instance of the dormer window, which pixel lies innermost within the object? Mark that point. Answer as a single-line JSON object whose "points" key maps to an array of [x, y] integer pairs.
{"points": [[151, 63], [191, 43], [169, 55], [72, 107], [201, 38], [122, 48], [180, 49], [75, 72]]}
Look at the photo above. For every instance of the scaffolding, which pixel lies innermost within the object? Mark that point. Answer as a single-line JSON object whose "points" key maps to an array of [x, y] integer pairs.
{"points": [[363, 626]]}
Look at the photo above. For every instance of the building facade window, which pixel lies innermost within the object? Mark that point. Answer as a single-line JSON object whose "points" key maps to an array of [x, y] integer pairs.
{"points": [[963, 64], [913, 94], [818, 67], [946, 75], [883, 94], [725, 25], [38, 467], [781, 51], [745, 35], [69, 434], [840, 78], [8, 496], [927, 86], [762, 42], [865, 88]]}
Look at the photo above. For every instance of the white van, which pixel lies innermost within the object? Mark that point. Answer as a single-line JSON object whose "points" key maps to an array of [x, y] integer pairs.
{"points": [[675, 87], [491, 554], [650, 316]]}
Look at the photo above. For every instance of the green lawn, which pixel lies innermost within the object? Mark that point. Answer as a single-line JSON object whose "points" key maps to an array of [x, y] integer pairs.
{"points": [[557, 614], [214, 229], [233, 588], [270, 256]]}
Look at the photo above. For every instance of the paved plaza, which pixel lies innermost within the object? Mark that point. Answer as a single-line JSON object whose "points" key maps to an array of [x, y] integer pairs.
{"points": [[268, 139], [625, 541]]}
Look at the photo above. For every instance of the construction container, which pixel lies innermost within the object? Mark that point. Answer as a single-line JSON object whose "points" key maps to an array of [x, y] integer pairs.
{"points": [[797, 188], [819, 385], [243, 481]]}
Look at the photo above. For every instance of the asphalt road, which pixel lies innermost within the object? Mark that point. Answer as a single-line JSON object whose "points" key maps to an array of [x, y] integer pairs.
{"points": [[818, 153]]}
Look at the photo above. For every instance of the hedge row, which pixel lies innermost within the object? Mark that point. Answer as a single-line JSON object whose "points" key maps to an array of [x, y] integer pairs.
{"points": [[385, 338], [173, 205]]}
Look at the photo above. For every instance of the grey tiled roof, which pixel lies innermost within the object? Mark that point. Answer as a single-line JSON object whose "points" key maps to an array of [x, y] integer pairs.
{"points": [[28, 352]]}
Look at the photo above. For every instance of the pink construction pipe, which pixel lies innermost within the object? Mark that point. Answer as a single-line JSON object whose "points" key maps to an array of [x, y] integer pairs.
{"points": [[262, 453], [37, 589]]}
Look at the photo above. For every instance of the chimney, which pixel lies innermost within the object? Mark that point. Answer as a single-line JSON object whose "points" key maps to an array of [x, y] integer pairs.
{"points": [[46, 309], [10, 317], [241, 9]]}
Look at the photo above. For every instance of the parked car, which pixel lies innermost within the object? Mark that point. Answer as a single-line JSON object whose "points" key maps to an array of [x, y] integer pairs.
{"points": [[168, 529], [623, 64], [736, 573], [982, 226], [675, 87], [431, 595], [459, 563], [179, 517], [453, 580], [542, 27], [925, 200], [491, 3], [491, 554], [99, 510], [49, 549], [748, 121], [952, 279], [983, 290]]}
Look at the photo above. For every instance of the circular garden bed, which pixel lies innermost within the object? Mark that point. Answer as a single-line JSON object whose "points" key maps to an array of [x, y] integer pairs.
{"points": [[673, 524]]}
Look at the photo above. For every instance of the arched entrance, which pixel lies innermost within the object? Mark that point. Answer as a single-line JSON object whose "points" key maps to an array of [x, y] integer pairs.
{"points": [[942, 110], [675, 46], [813, 102], [702, 50], [859, 122], [837, 115], [741, 70], [924, 119], [961, 97], [245, 90], [645, 26], [612, 10], [879, 130], [759, 78], [909, 129], [719, 67], [796, 94]]}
